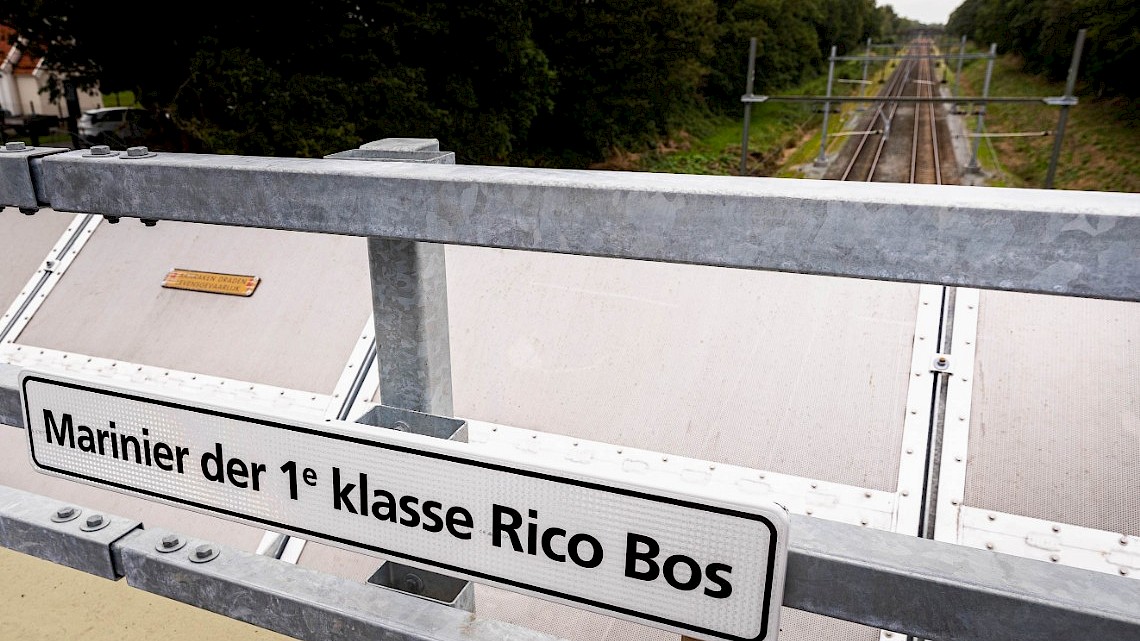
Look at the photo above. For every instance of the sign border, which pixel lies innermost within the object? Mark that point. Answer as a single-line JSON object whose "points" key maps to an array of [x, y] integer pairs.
{"points": [[769, 582]]}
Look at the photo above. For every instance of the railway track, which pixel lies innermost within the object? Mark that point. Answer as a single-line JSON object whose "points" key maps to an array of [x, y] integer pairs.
{"points": [[901, 142]]}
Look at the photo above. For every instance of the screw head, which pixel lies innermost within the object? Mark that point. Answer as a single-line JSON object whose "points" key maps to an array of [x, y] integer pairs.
{"points": [[15, 145], [137, 152]]}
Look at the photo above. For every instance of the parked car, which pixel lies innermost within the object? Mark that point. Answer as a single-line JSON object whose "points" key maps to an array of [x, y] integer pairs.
{"points": [[116, 126]]}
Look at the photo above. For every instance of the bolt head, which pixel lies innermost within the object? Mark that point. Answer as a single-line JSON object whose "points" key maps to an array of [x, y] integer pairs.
{"points": [[137, 152], [413, 584], [169, 541], [95, 520], [204, 551], [15, 145], [101, 150], [65, 512]]}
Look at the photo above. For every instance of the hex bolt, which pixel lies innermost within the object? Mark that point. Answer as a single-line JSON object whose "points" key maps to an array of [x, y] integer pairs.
{"points": [[95, 520], [149, 222], [100, 150], [65, 513], [169, 543], [203, 552], [137, 152], [15, 145], [29, 211], [111, 220]]}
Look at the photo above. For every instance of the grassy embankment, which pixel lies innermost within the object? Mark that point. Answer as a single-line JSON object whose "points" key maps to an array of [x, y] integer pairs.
{"points": [[1101, 147], [779, 133], [1101, 150]]}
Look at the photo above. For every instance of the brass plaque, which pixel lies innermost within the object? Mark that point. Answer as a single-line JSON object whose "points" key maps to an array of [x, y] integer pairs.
{"points": [[211, 282]]}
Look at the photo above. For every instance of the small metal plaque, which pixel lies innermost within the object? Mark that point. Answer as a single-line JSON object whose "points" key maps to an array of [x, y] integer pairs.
{"points": [[211, 282]]}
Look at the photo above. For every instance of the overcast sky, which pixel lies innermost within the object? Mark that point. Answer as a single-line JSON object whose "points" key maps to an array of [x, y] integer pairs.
{"points": [[928, 11]]}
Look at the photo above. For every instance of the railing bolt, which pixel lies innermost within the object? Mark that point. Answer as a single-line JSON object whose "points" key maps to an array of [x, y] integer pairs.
{"points": [[203, 553], [15, 145], [137, 152], [169, 543], [95, 522], [413, 584], [65, 513], [111, 220], [149, 222], [100, 150]]}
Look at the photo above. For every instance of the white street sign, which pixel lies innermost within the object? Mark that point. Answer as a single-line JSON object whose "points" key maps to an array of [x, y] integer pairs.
{"points": [[702, 560]]}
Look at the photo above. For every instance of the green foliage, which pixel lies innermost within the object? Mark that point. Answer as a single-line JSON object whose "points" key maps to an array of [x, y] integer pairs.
{"points": [[1043, 32], [563, 82]]}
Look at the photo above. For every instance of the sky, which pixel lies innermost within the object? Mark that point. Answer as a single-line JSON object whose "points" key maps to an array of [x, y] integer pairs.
{"points": [[927, 11]]}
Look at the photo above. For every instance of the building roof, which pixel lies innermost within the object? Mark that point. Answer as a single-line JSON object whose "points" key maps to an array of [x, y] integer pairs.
{"points": [[24, 64]]}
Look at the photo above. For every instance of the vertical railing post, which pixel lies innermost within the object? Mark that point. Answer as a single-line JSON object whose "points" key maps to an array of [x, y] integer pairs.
{"points": [[748, 86], [973, 166], [409, 300], [821, 160], [1062, 120]]}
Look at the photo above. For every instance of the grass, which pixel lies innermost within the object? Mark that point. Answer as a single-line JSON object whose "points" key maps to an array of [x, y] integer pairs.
{"points": [[776, 131], [119, 99], [1100, 150]]}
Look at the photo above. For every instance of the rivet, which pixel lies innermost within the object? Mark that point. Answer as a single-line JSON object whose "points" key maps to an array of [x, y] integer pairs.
{"points": [[863, 521], [961, 418], [905, 492], [953, 501], [814, 485], [909, 450], [1124, 540], [808, 511], [914, 411], [989, 546], [958, 459], [867, 495], [1054, 558], [991, 517], [1123, 571], [1056, 528]]}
